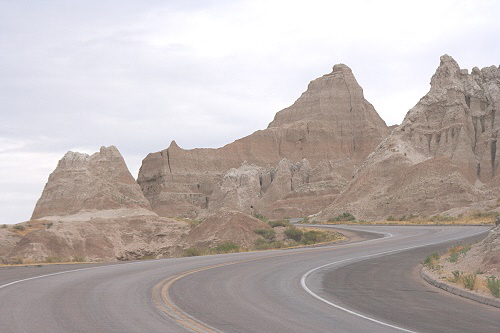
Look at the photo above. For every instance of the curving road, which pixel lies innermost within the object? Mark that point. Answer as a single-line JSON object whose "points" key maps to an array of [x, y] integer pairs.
{"points": [[367, 286]]}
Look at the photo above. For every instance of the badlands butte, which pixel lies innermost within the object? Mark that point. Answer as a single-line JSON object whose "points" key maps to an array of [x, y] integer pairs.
{"points": [[327, 154]]}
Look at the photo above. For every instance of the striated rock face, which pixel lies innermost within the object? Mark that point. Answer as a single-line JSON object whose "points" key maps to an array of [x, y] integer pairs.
{"points": [[293, 189], [82, 182], [331, 124], [443, 156]]}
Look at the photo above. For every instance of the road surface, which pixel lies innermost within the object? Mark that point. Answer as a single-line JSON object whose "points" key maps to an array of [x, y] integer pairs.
{"points": [[367, 286]]}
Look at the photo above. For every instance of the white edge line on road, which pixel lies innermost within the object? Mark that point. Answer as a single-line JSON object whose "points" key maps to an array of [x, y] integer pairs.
{"points": [[310, 292], [70, 271]]}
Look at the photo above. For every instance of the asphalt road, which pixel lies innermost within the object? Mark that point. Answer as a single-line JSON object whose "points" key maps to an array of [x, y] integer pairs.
{"points": [[357, 287]]}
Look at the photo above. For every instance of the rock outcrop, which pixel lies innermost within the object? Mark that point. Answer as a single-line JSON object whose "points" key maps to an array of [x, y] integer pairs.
{"points": [[97, 182], [331, 126], [99, 239], [442, 157]]}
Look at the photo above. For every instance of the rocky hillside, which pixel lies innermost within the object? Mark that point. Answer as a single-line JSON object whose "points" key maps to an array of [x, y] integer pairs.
{"points": [[443, 158], [329, 131]]}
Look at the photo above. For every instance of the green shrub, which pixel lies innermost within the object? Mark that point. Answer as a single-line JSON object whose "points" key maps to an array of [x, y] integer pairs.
{"points": [[55, 259], [261, 244], [442, 218], [266, 233], [344, 217], [294, 233], [4, 226], [457, 275], [191, 252], [261, 217], [279, 223], [391, 218], [78, 259], [227, 248], [313, 236], [494, 286], [432, 261], [19, 227], [457, 252], [469, 281]]}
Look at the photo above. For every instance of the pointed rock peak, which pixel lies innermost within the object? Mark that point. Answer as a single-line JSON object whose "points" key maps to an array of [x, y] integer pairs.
{"points": [[109, 150], [174, 145], [344, 69], [447, 72]]}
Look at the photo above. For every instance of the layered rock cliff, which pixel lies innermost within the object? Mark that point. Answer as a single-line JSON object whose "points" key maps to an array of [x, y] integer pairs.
{"points": [[442, 158], [331, 126]]}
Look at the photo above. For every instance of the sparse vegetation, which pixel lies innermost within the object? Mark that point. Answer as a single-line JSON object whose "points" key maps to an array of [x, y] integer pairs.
{"points": [[457, 275], [457, 251], [279, 223], [432, 261], [78, 259], [443, 218], [19, 227], [314, 236], [262, 244], [344, 217], [228, 247], [261, 217], [269, 234], [191, 252], [55, 259], [294, 233], [469, 281], [493, 285], [4, 226]]}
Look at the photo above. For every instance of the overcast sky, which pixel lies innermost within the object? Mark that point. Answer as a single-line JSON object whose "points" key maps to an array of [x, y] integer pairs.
{"points": [[77, 75]]}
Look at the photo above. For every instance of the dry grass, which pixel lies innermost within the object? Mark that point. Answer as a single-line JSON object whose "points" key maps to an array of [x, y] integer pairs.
{"points": [[487, 218]]}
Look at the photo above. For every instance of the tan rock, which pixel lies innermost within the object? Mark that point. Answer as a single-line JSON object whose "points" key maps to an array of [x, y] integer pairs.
{"points": [[82, 182], [98, 239], [330, 123], [441, 157]]}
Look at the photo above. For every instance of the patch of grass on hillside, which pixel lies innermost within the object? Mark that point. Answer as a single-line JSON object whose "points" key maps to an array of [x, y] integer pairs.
{"points": [[493, 285], [269, 234], [294, 233], [344, 217], [432, 261], [262, 244], [261, 217], [457, 251], [279, 223], [469, 281], [228, 247]]}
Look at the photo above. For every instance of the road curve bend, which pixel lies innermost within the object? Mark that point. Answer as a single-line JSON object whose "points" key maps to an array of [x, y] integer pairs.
{"points": [[352, 287]]}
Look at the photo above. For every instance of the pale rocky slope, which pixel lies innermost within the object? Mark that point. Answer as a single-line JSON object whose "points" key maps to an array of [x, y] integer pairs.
{"points": [[81, 182], [441, 159], [482, 257], [329, 131]]}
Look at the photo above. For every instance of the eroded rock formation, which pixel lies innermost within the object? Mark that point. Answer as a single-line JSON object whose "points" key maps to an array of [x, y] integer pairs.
{"points": [[97, 182], [331, 126], [443, 157]]}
